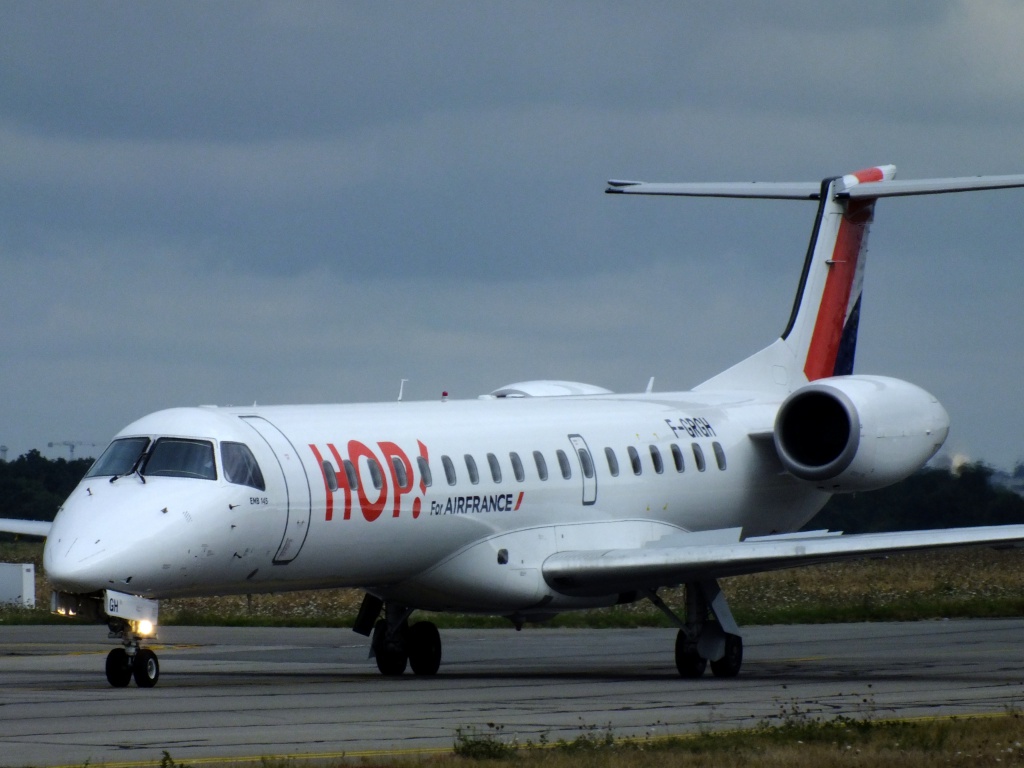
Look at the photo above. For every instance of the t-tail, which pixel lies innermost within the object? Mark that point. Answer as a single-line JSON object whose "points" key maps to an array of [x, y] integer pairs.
{"points": [[820, 339]]}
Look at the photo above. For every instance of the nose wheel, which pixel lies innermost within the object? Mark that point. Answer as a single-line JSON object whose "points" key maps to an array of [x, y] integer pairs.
{"points": [[130, 661], [119, 668], [143, 667]]}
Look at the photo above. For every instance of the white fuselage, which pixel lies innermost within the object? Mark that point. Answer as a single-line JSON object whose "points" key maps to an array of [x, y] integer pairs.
{"points": [[425, 541]]}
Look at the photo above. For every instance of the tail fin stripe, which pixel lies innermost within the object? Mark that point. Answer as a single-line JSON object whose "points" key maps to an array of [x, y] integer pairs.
{"points": [[837, 304]]}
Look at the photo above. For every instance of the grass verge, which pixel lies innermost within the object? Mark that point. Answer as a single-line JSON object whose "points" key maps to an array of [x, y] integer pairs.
{"points": [[796, 741], [793, 740]]}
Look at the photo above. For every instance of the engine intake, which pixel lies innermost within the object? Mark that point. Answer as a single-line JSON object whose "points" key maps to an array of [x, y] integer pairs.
{"points": [[856, 433]]}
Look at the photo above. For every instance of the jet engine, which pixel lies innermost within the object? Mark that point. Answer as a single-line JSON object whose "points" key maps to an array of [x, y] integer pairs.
{"points": [[858, 433]]}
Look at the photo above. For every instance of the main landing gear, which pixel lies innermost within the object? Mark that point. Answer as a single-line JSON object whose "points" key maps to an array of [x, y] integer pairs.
{"points": [[708, 634], [131, 660], [396, 644]]}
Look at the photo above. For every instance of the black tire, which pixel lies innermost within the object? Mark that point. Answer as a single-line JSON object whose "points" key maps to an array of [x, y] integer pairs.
{"points": [[424, 648], [729, 665], [392, 657], [689, 663], [145, 668], [119, 668]]}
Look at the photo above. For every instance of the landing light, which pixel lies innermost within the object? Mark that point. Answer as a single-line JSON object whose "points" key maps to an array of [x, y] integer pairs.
{"points": [[144, 627]]}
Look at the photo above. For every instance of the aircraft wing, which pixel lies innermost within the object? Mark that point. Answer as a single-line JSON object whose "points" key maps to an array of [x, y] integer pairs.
{"points": [[715, 554], [25, 527]]}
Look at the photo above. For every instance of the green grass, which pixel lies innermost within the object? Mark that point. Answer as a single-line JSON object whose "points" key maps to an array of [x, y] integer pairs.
{"points": [[793, 740]]}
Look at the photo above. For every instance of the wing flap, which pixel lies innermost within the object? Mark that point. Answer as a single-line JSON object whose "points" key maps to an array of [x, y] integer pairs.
{"points": [[602, 572]]}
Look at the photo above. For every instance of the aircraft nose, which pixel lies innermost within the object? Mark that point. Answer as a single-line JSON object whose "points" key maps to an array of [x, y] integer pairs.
{"points": [[88, 548], [75, 564]]}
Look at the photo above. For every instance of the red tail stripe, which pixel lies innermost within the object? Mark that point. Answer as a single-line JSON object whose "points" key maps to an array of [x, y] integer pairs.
{"points": [[835, 299]]}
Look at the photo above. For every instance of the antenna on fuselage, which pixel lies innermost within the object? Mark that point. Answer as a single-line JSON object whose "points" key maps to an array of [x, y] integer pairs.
{"points": [[401, 389], [650, 386]]}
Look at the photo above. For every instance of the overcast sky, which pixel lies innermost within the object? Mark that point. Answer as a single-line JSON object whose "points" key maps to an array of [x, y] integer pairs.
{"points": [[307, 202]]}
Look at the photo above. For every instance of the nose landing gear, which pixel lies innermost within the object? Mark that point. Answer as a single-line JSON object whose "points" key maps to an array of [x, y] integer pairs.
{"points": [[131, 660]]}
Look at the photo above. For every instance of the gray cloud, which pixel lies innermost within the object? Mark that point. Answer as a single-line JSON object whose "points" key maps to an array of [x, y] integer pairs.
{"points": [[240, 201]]}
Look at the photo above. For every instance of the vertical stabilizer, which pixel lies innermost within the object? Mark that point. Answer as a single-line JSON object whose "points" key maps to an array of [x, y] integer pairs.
{"points": [[822, 331], [820, 339]]}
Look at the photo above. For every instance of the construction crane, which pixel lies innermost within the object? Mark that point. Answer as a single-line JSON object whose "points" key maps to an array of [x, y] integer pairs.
{"points": [[71, 445]]}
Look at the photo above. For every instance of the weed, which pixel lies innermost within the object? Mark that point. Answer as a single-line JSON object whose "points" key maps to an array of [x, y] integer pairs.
{"points": [[166, 761], [472, 743]]}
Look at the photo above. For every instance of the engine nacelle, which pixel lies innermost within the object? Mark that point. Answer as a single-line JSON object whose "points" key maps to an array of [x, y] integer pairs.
{"points": [[858, 433]]}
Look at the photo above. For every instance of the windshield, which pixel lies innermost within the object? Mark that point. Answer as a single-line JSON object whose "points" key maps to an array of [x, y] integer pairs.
{"points": [[119, 458], [180, 457]]}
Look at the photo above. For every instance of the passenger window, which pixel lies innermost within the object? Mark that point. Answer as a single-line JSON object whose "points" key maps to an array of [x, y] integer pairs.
{"points": [[329, 475], [586, 462], [474, 475], [375, 474], [401, 476], [698, 456], [178, 457], [517, 467], [542, 465], [449, 470], [677, 457], [659, 465], [719, 454], [613, 462], [351, 474], [492, 460], [634, 460], [428, 479], [563, 464], [120, 457], [240, 467]]}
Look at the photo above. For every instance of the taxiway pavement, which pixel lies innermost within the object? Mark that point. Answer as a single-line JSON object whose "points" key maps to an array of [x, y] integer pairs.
{"points": [[246, 693]]}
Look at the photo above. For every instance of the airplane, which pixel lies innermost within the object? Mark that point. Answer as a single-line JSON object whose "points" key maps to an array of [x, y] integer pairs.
{"points": [[538, 498]]}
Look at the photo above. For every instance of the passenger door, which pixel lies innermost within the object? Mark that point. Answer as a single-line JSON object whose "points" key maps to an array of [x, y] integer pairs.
{"points": [[296, 483]]}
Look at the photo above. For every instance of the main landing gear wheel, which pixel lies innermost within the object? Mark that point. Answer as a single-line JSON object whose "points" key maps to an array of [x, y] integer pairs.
{"points": [[145, 668], [119, 668], [729, 665], [390, 653], [424, 648], [690, 664]]}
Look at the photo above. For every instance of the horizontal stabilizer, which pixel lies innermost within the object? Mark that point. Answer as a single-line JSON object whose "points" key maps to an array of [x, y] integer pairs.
{"points": [[601, 572], [797, 190], [853, 186], [25, 527], [909, 187]]}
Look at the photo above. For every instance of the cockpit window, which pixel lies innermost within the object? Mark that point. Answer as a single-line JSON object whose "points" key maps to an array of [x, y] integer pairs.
{"points": [[240, 466], [180, 457], [119, 458]]}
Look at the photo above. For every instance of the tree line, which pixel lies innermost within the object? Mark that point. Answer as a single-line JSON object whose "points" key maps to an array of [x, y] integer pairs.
{"points": [[930, 498], [32, 487]]}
